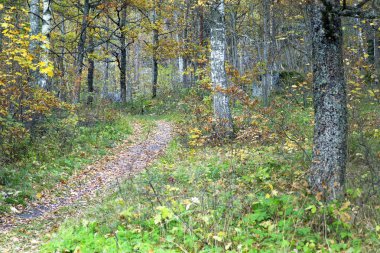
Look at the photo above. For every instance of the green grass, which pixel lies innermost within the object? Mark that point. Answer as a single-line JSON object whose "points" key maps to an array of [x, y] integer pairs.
{"points": [[63, 147], [222, 199]]}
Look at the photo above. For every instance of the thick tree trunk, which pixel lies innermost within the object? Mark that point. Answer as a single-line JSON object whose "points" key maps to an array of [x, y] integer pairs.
{"points": [[222, 111], [81, 51], [35, 29], [330, 132]]}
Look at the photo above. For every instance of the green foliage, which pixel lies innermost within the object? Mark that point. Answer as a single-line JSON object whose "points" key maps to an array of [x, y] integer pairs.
{"points": [[60, 145], [221, 199]]}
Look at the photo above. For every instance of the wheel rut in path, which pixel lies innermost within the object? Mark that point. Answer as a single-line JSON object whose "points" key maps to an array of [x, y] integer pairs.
{"points": [[101, 177]]}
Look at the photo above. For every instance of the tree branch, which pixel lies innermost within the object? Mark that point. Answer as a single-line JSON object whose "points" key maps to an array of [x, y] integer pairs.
{"points": [[359, 13]]}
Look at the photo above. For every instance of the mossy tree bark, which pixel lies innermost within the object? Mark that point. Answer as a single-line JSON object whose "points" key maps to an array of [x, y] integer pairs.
{"points": [[330, 105]]}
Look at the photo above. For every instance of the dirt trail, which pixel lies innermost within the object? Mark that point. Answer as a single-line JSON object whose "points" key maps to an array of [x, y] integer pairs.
{"points": [[100, 178]]}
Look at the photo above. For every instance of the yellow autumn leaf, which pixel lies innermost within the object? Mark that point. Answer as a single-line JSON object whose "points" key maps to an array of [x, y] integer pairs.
{"points": [[46, 69], [39, 195]]}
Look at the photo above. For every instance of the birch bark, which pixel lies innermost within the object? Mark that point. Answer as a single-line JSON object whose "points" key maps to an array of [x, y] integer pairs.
{"points": [[222, 113]]}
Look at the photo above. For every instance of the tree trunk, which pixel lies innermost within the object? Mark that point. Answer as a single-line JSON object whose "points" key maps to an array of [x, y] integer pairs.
{"points": [[106, 67], [201, 65], [46, 27], [35, 29], [376, 53], [266, 47], [1, 31], [123, 57], [137, 64], [90, 72], [81, 51], [180, 59], [222, 113], [129, 78], [155, 60], [360, 35], [330, 132], [62, 83], [234, 41], [185, 61]]}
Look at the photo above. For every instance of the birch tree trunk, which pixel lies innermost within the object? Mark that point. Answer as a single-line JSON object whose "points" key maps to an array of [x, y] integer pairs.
{"points": [[360, 35], [180, 59], [222, 113], [330, 132], [35, 29], [43, 81]]}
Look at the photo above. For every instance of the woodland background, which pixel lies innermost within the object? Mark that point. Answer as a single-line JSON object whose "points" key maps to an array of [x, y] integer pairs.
{"points": [[276, 107]]}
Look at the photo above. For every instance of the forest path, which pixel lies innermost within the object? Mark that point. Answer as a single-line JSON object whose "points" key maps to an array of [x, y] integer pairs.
{"points": [[21, 232]]}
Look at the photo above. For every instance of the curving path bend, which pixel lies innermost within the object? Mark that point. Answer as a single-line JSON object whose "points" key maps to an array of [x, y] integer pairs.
{"points": [[100, 178]]}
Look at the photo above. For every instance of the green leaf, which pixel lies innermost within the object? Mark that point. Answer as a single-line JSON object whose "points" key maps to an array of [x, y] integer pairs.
{"points": [[312, 208]]}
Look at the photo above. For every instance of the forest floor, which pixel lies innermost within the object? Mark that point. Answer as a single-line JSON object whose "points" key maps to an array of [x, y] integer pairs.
{"points": [[21, 231]]}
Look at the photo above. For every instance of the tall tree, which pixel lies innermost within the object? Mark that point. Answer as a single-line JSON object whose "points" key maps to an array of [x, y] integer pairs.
{"points": [[123, 55], [91, 70], [35, 29], [62, 93], [185, 58], [105, 88], [330, 106], [46, 28], [330, 97], [222, 112], [81, 51], [155, 49], [267, 51]]}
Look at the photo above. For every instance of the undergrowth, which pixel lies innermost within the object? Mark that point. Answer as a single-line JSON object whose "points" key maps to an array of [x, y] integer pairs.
{"points": [[246, 195], [215, 199], [60, 146]]}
